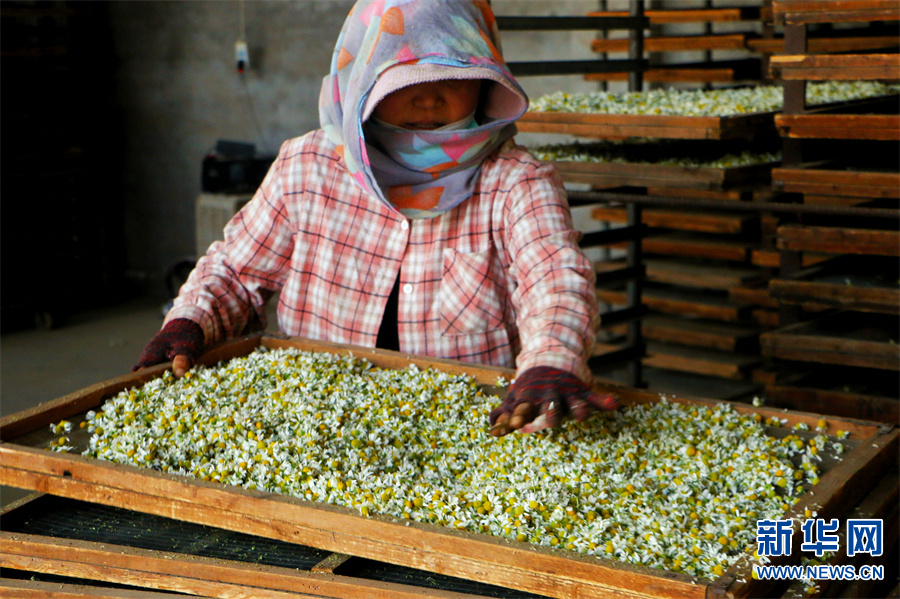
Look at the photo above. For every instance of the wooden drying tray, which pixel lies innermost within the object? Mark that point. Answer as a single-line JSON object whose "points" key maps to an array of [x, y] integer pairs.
{"points": [[838, 240], [57, 536], [689, 273], [726, 337], [699, 275], [697, 220], [846, 338], [691, 246], [866, 285], [870, 394], [622, 126], [555, 573], [684, 302], [682, 43], [824, 45], [833, 178], [692, 15], [865, 119], [704, 362], [835, 67], [792, 12], [83, 562], [718, 71], [608, 175]]}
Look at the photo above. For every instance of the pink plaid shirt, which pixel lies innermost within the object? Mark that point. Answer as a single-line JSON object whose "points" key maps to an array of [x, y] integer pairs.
{"points": [[498, 280]]}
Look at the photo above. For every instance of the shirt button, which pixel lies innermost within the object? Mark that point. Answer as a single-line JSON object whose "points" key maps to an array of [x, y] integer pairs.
{"points": [[404, 225], [407, 289]]}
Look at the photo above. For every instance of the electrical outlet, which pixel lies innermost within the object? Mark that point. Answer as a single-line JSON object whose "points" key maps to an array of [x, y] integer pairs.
{"points": [[241, 56]]}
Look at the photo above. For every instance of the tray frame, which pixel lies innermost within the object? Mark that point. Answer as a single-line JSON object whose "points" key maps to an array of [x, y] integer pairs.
{"points": [[552, 572]]}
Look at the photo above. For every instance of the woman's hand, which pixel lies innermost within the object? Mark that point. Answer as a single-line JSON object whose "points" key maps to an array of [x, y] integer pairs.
{"points": [[180, 340], [541, 396]]}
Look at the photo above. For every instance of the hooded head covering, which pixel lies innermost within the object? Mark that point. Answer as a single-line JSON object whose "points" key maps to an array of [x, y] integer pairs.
{"points": [[389, 44]]}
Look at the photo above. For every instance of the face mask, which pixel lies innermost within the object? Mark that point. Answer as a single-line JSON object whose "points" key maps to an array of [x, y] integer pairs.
{"points": [[467, 122]]}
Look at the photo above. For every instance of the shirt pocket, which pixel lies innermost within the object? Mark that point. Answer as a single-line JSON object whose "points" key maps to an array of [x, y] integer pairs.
{"points": [[470, 297]]}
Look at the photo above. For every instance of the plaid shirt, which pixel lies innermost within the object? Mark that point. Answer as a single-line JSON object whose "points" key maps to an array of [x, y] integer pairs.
{"points": [[498, 280]]}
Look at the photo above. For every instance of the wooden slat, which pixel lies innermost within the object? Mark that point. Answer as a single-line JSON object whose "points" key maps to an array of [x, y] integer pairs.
{"points": [[823, 45], [699, 333], [675, 75], [677, 244], [698, 361], [847, 339], [478, 557], [621, 126], [645, 175], [862, 297], [737, 195], [846, 404], [689, 15], [833, 11], [331, 563], [755, 295], [193, 574], [721, 41], [819, 179], [839, 126], [837, 240], [33, 589], [772, 258], [682, 303], [701, 276], [826, 67], [683, 220]]}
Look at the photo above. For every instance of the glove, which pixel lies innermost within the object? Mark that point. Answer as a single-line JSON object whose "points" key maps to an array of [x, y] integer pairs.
{"points": [[540, 398], [179, 337]]}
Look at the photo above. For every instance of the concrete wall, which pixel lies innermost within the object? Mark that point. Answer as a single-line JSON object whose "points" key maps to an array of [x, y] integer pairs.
{"points": [[179, 93]]}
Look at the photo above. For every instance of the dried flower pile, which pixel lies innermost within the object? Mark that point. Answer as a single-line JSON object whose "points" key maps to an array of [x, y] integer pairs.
{"points": [[665, 485], [698, 102]]}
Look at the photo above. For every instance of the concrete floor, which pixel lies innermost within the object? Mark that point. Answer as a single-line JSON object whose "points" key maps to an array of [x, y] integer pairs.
{"points": [[40, 365]]}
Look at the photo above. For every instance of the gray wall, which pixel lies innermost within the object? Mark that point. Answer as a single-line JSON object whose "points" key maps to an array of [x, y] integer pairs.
{"points": [[179, 92]]}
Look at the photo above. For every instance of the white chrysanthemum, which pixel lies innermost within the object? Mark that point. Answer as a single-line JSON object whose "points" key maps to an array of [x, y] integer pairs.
{"points": [[665, 485]]}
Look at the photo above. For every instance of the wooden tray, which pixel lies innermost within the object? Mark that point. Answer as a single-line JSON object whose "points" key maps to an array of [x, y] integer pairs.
{"points": [[847, 338], [839, 240], [692, 246], [844, 392], [697, 220], [621, 126], [682, 43], [836, 179], [728, 337], [822, 45], [839, 126], [835, 67], [864, 285], [551, 572], [792, 12], [682, 302], [646, 175], [725, 365], [87, 542], [691, 15], [721, 71]]}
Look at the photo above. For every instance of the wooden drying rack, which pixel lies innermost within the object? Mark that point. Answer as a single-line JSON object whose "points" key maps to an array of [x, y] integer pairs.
{"points": [[24, 463]]}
